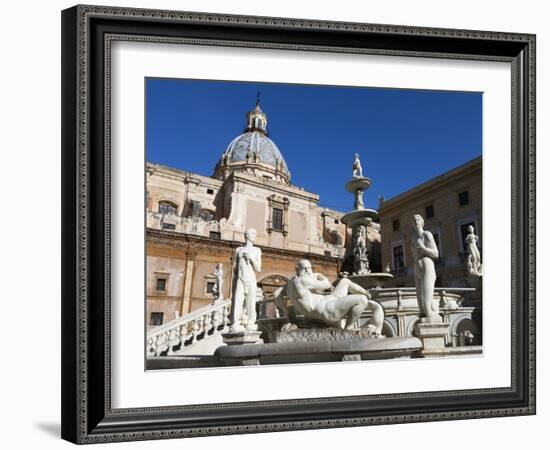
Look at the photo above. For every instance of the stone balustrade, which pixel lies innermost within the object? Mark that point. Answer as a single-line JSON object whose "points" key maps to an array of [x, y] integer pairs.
{"points": [[173, 336]]}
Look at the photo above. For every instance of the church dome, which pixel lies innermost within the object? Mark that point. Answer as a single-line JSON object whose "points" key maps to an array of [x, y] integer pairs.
{"points": [[254, 142], [254, 152]]}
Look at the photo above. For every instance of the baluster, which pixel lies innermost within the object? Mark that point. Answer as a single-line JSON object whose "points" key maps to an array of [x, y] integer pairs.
{"points": [[215, 320], [173, 339], [150, 346], [207, 323], [196, 327], [161, 344]]}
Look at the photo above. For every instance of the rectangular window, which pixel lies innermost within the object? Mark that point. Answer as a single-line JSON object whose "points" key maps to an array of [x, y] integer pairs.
{"points": [[161, 284], [429, 211], [463, 198], [396, 225], [336, 221], [168, 226], [209, 287], [215, 235], [398, 259], [156, 318], [277, 219], [210, 191]]}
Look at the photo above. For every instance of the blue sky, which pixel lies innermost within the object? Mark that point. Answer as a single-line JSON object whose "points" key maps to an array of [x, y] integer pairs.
{"points": [[404, 137]]}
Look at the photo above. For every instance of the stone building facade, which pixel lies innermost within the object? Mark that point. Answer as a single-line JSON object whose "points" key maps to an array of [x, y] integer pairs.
{"points": [[195, 222], [449, 203]]}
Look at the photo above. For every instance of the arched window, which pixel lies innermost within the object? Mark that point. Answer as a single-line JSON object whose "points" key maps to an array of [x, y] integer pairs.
{"points": [[168, 208], [207, 215]]}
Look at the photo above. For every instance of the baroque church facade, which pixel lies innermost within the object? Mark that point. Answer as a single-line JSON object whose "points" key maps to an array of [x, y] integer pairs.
{"points": [[195, 222]]}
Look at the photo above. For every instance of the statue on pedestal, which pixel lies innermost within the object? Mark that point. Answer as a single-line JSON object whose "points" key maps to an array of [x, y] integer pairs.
{"points": [[474, 258], [248, 261], [218, 284], [357, 170], [424, 251], [341, 307]]}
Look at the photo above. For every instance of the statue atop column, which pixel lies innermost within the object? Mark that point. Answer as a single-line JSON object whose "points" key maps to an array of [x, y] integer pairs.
{"points": [[248, 261], [357, 170], [340, 307], [218, 284], [424, 251], [474, 258]]}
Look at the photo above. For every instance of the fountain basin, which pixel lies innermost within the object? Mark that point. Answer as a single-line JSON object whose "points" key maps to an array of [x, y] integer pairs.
{"points": [[360, 217], [319, 351], [371, 280], [358, 184]]}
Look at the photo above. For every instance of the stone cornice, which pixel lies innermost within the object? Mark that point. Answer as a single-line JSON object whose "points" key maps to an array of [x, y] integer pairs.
{"points": [[435, 183], [194, 242], [181, 175], [275, 187]]}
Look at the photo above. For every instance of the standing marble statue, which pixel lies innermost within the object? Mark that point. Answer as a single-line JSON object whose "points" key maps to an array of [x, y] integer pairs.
{"points": [[360, 256], [474, 258], [357, 170], [344, 303], [424, 251], [248, 261], [217, 291]]}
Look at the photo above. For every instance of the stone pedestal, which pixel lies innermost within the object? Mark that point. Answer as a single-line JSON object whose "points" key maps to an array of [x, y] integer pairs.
{"points": [[433, 335], [242, 337]]}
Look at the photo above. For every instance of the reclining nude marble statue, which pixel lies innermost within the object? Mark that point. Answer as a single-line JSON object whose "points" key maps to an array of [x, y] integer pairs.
{"points": [[343, 303], [424, 251], [248, 261]]}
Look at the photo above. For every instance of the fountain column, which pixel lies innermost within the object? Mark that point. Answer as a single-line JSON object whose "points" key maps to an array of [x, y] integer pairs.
{"points": [[356, 262]]}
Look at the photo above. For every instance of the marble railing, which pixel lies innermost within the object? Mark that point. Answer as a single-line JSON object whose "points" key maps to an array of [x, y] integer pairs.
{"points": [[168, 338]]}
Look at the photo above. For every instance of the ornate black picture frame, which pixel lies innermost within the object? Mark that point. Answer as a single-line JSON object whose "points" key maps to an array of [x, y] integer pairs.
{"points": [[87, 414]]}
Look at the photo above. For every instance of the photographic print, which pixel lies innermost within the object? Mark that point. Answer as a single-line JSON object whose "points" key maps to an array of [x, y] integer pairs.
{"points": [[292, 223]]}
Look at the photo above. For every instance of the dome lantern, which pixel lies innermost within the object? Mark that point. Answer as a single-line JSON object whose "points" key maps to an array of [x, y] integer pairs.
{"points": [[253, 152], [256, 119]]}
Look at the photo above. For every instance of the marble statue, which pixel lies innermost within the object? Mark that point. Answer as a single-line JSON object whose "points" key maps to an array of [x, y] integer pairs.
{"points": [[387, 269], [474, 258], [357, 169], [424, 251], [361, 236], [360, 261], [341, 307], [217, 291], [248, 261], [360, 256]]}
